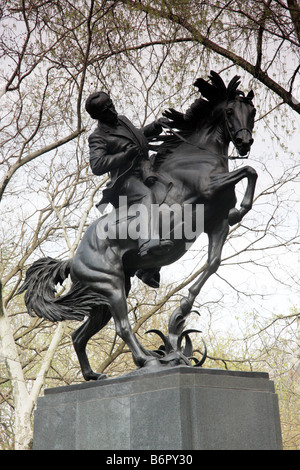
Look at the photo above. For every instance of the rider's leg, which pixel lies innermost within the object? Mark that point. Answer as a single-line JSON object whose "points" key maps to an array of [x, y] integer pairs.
{"points": [[141, 199]]}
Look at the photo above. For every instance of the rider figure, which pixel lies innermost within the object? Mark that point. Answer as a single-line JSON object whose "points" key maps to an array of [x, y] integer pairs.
{"points": [[118, 147]]}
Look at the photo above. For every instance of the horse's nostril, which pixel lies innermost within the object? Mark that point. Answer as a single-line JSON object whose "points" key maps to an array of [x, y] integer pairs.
{"points": [[239, 141], [251, 141]]}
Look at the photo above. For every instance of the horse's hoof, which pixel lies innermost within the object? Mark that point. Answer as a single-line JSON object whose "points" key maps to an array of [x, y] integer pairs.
{"points": [[152, 364], [101, 376], [94, 376]]}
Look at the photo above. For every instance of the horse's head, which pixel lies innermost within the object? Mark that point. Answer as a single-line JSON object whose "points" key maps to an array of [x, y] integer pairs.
{"points": [[239, 120], [228, 102]]}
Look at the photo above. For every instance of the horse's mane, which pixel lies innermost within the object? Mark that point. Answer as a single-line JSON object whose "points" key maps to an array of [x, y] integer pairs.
{"points": [[200, 113]]}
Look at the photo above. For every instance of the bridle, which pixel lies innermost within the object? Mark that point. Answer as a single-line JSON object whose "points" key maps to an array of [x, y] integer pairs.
{"points": [[233, 135]]}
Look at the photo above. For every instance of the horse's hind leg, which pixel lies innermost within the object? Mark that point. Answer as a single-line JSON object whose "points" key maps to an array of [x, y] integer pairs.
{"points": [[217, 237], [95, 322], [119, 311]]}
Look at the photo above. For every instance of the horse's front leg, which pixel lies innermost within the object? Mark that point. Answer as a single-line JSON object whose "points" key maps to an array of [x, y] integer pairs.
{"points": [[226, 180], [236, 215]]}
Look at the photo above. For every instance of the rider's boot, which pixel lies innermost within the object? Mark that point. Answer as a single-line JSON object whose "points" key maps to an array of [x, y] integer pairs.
{"points": [[151, 277]]}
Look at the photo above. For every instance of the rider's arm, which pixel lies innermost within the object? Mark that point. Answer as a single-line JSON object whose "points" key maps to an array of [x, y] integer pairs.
{"points": [[152, 130], [100, 161]]}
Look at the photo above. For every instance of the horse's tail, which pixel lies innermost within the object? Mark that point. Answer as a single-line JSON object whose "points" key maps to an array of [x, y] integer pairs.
{"points": [[41, 296]]}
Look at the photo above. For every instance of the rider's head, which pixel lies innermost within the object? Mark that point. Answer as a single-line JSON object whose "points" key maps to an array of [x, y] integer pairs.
{"points": [[100, 106]]}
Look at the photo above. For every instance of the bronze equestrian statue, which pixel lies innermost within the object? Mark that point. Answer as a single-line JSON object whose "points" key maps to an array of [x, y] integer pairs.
{"points": [[190, 166]]}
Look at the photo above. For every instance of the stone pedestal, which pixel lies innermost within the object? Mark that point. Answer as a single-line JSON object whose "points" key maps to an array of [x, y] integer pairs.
{"points": [[179, 408]]}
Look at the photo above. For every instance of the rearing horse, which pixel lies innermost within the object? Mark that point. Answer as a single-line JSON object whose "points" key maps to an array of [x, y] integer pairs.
{"points": [[192, 168]]}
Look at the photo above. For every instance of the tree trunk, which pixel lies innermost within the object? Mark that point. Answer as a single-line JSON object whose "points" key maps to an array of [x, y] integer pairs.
{"points": [[24, 402], [21, 399]]}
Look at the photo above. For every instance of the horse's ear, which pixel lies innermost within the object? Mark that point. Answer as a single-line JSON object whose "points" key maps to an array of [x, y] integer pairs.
{"points": [[250, 95]]}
